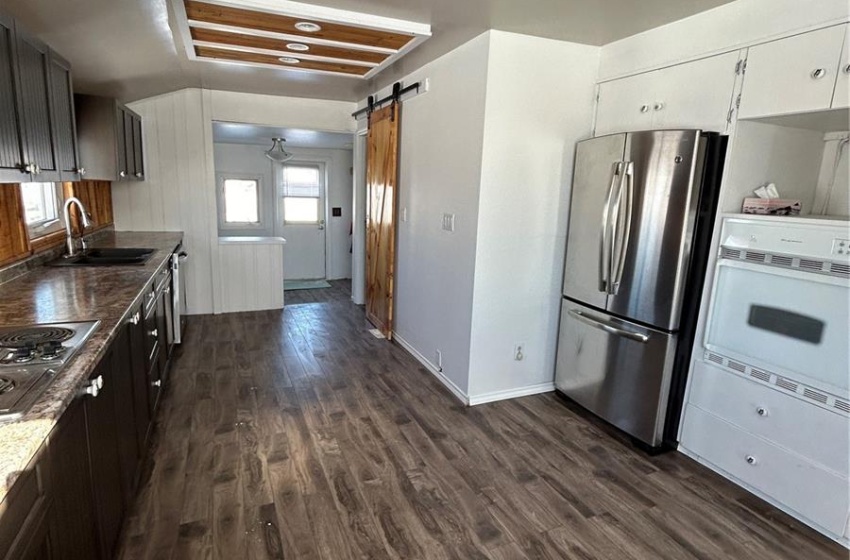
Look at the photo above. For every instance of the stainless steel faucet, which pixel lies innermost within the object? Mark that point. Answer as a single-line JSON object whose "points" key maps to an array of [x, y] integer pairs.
{"points": [[84, 220]]}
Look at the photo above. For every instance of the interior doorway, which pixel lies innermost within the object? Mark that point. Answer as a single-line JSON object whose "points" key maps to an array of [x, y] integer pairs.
{"points": [[303, 196]]}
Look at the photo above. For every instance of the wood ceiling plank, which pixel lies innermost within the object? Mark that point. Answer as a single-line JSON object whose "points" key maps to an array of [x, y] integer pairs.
{"points": [[242, 56], [268, 43], [251, 19]]}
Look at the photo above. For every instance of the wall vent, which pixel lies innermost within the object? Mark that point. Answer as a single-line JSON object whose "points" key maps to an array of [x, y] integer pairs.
{"points": [[787, 385], [737, 366], [809, 264], [759, 374], [814, 395], [781, 260], [839, 269], [727, 253]]}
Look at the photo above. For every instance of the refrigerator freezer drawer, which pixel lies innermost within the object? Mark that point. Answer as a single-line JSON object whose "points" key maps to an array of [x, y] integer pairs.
{"points": [[618, 370]]}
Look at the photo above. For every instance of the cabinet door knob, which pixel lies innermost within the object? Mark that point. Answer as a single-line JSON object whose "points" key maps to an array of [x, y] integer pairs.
{"points": [[154, 333], [658, 105], [644, 108], [134, 320], [157, 383], [122, 174], [25, 168], [761, 411], [751, 460], [94, 386], [139, 175], [818, 73], [81, 171]]}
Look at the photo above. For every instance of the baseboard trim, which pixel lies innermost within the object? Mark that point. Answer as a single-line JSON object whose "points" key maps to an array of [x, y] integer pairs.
{"points": [[448, 383], [512, 393]]}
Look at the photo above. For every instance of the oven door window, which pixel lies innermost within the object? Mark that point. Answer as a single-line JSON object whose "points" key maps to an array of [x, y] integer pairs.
{"points": [[789, 322]]}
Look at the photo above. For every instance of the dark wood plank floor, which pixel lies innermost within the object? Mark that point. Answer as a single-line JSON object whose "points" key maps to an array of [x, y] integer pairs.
{"points": [[297, 434]]}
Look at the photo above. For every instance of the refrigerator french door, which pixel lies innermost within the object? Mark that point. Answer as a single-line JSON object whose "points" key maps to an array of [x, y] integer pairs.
{"points": [[641, 213]]}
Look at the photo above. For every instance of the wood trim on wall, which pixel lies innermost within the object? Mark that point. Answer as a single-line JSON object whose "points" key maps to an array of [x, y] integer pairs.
{"points": [[15, 244]]}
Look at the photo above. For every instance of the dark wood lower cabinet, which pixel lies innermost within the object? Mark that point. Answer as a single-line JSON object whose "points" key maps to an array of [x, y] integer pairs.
{"points": [[71, 516], [138, 363], [125, 416], [105, 457]]}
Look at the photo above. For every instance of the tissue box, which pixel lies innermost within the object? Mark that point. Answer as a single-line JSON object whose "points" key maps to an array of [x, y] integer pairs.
{"points": [[773, 206]]}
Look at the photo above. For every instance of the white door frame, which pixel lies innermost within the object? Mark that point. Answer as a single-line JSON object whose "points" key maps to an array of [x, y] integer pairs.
{"points": [[278, 215], [358, 239]]}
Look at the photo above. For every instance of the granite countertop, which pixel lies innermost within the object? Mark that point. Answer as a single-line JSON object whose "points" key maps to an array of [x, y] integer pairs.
{"points": [[55, 294]]}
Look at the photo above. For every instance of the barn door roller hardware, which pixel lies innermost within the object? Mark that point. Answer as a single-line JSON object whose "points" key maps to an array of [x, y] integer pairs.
{"points": [[398, 91]]}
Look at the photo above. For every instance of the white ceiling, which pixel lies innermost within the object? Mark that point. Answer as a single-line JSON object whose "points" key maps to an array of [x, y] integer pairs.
{"points": [[125, 48], [240, 133]]}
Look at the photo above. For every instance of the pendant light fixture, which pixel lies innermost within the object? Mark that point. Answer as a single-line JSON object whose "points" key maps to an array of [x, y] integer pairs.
{"points": [[277, 153]]}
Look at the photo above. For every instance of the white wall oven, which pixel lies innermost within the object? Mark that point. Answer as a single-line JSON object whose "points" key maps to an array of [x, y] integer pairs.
{"points": [[781, 302]]}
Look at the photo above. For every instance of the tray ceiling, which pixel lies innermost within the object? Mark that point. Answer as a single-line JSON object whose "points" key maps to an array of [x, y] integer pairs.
{"points": [[294, 36]]}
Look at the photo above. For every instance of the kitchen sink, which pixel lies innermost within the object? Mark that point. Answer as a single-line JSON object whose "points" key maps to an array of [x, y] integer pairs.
{"points": [[107, 256]]}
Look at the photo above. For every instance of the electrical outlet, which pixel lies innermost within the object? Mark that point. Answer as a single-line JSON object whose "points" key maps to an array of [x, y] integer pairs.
{"points": [[439, 356], [448, 222], [519, 351]]}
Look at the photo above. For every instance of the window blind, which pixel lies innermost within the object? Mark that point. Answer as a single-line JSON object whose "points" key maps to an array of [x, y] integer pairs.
{"points": [[301, 181]]}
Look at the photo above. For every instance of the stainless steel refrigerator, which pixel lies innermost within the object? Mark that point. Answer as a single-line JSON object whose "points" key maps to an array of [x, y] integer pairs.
{"points": [[641, 213]]}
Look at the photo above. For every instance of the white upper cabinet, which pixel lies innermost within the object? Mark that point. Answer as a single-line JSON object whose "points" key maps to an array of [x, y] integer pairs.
{"points": [[625, 105], [792, 75], [841, 98], [696, 94]]}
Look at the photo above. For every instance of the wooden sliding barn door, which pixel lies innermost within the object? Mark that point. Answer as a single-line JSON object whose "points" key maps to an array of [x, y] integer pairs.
{"points": [[381, 183]]}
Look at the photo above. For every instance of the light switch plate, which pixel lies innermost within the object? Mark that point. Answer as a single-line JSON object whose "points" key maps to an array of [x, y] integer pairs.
{"points": [[448, 222]]}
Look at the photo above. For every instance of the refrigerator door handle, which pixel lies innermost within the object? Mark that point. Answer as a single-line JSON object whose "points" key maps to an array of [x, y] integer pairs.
{"points": [[607, 327], [620, 241], [605, 233]]}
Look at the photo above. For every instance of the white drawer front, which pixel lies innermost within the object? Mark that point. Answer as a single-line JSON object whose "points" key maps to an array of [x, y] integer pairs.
{"points": [[814, 433], [816, 494]]}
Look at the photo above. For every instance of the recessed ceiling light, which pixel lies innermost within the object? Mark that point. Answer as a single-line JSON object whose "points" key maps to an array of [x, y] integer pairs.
{"points": [[289, 60], [308, 26], [301, 47]]}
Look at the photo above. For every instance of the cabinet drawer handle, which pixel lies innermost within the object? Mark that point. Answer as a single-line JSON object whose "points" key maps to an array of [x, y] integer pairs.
{"points": [[818, 73], [761, 411], [751, 460], [644, 108]]}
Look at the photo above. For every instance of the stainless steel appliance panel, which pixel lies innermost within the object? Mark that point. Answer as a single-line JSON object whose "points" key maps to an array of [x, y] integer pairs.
{"points": [[597, 168], [178, 294], [654, 214], [618, 370]]}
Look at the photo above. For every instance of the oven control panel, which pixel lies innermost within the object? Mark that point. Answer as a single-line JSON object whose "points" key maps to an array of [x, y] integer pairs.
{"points": [[840, 247], [807, 239]]}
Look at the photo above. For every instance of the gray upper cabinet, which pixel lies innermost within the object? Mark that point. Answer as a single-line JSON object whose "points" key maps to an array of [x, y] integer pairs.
{"points": [[37, 136], [110, 138], [35, 104], [61, 90], [11, 140]]}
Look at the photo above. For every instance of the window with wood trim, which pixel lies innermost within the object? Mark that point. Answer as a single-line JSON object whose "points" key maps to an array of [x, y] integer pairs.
{"points": [[43, 208]]}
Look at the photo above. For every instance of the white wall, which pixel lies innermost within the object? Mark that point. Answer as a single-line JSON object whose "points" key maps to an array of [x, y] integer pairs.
{"points": [[725, 28], [175, 194], [251, 159], [440, 171], [535, 113], [179, 191]]}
